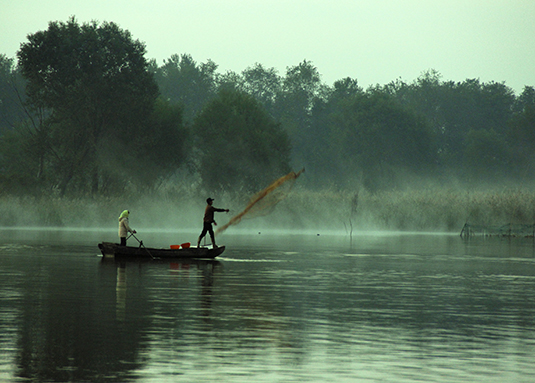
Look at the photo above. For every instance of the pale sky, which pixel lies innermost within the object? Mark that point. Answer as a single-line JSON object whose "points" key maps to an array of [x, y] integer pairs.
{"points": [[373, 41]]}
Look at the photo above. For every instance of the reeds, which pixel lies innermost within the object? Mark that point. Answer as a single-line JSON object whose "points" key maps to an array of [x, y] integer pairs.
{"points": [[429, 209]]}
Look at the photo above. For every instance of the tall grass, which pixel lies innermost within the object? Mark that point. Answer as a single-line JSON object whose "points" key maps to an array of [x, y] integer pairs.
{"points": [[430, 209]]}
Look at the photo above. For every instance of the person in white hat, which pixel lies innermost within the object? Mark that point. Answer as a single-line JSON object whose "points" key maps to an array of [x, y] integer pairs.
{"points": [[124, 227]]}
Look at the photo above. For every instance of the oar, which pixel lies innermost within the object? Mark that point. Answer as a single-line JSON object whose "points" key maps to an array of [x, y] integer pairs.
{"points": [[141, 244]]}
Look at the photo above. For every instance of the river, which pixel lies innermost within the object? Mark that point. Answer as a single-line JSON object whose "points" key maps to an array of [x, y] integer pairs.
{"points": [[275, 307]]}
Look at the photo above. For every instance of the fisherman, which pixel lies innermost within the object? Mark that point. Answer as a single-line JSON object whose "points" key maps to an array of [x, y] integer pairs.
{"points": [[208, 220], [124, 227]]}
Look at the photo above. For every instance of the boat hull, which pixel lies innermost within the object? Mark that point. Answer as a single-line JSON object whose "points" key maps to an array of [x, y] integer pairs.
{"points": [[110, 249]]}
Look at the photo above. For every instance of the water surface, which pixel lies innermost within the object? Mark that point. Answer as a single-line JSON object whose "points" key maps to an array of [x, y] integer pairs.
{"points": [[289, 308]]}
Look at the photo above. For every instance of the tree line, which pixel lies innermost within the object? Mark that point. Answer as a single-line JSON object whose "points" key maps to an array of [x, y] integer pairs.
{"points": [[83, 112]]}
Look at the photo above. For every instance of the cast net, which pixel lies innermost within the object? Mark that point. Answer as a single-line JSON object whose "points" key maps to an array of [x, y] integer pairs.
{"points": [[263, 202]]}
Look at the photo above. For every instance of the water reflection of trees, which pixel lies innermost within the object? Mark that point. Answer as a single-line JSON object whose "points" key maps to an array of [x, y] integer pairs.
{"points": [[87, 324]]}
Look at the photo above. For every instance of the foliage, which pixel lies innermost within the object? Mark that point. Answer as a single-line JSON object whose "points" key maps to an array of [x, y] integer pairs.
{"points": [[264, 84], [425, 208], [12, 95], [181, 80], [300, 88], [522, 134], [525, 100], [486, 156], [152, 156], [90, 121], [241, 146], [376, 138], [94, 83], [322, 158], [454, 109]]}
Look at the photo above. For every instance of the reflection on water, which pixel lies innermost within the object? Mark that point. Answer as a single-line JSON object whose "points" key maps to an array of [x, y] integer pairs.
{"points": [[394, 308], [121, 291]]}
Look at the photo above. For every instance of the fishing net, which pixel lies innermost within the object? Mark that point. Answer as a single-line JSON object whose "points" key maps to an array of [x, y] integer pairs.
{"points": [[263, 202]]}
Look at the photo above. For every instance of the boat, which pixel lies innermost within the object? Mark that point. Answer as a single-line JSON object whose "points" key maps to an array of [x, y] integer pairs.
{"points": [[110, 249]]}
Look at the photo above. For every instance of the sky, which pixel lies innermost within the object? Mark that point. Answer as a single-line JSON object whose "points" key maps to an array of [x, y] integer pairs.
{"points": [[372, 41]]}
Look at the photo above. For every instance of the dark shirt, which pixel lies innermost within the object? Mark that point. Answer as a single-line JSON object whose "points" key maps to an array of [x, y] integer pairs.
{"points": [[209, 213]]}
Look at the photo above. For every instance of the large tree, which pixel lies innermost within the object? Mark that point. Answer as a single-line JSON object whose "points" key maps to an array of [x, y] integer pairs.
{"points": [[11, 95], [379, 141], [522, 134], [453, 109], [264, 84], [293, 107], [95, 84], [241, 145], [320, 159], [184, 82]]}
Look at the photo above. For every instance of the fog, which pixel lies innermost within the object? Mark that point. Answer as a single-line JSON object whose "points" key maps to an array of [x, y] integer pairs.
{"points": [[468, 43], [423, 209]]}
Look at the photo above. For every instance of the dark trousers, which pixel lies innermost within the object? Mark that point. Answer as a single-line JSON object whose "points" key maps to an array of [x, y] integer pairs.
{"points": [[123, 241], [207, 228]]}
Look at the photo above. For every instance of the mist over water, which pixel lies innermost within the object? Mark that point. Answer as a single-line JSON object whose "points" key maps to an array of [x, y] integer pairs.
{"points": [[431, 208]]}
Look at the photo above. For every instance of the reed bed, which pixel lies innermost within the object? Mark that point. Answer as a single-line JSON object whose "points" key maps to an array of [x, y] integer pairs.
{"points": [[432, 209]]}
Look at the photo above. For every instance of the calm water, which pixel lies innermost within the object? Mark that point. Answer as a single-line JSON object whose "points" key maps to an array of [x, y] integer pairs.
{"points": [[291, 308]]}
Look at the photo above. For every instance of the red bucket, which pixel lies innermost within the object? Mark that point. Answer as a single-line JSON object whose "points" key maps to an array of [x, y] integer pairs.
{"points": [[186, 245], [175, 247]]}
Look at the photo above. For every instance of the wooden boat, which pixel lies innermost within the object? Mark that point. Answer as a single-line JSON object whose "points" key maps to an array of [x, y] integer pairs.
{"points": [[110, 249]]}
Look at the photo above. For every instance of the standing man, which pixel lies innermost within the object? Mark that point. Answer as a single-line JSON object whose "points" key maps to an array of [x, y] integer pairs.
{"points": [[208, 220]]}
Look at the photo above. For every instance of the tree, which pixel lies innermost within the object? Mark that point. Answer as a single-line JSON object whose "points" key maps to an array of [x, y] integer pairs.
{"points": [[241, 146], [525, 100], [230, 81], [24, 145], [154, 156], [94, 81], [299, 88], [293, 108], [522, 137], [454, 109], [486, 156], [191, 85], [264, 84], [378, 140], [12, 95], [320, 159], [15, 166]]}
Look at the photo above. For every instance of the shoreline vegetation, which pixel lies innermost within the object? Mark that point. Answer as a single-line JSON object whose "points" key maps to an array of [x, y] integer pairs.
{"points": [[424, 209], [431, 155]]}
